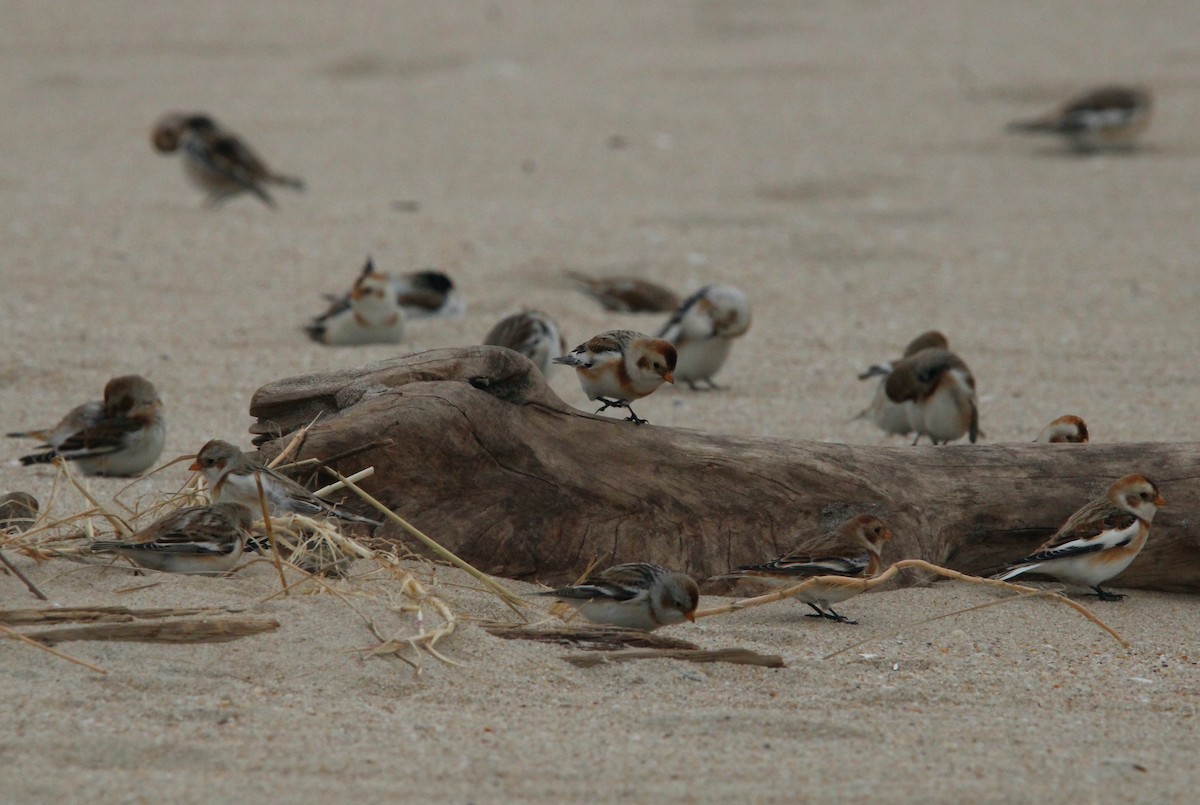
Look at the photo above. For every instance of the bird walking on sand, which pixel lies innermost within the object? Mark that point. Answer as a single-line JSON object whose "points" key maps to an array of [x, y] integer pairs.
{"points": [[620, 366], [369, 314], [427, 294], [233, 477], [702, 330], [216, 160], [1110, 117], [197, 540], [894, 418], [18, 512], [121, 435], [1066, 429], [532, 333], [633, 596], [942, 390], [851, 552], [626, 294], [1099, 541]]}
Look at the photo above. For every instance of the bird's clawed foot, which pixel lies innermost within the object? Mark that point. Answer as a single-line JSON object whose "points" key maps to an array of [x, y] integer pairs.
{"points": [[828, 615], [606, 403], [1105, 595]]}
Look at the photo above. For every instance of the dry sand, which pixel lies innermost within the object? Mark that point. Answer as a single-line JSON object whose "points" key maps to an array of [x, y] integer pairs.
{"points": [[843, 162]]}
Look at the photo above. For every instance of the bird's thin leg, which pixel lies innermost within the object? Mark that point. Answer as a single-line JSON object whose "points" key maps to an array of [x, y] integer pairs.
{"points": [[816, 613], [606, 403], [914, 441], [1105, 595]]}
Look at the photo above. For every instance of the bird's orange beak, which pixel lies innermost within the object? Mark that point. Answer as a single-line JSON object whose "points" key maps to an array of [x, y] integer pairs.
{"points": [[670, 378], [691, 616], [194, 466], [886, 535], [1158, 501]]}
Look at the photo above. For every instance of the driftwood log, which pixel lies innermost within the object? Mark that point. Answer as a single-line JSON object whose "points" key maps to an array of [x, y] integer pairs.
{"points": [[486, 459]]}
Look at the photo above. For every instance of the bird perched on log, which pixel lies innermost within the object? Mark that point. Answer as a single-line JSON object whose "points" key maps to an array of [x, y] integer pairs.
{"points": [[121, 435], [532, 333], [702, 330], [1108, 117], [633, 596], [1099, 541], [216, 160], [1066, 429], [851, 551], [369, 314], [620, 366]]}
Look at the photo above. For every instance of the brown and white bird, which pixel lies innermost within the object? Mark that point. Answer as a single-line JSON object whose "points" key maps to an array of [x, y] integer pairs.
{"points": [[1099, 541], [1104, 118], [197, 540], [895, 418], [532, 333], [121, 435], [369, 314], [1066, 429], [633, 596], [702, 330], [851, 552], [216, 160], [620, 366], [232, 477], [626, 294], [18, 512], [942, 390], [428, 293]]}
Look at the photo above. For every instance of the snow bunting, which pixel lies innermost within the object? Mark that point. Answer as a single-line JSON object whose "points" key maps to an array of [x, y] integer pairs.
{"points": [[626, 294], [620, 366], [121, 435], [217, 161], [634, 596], [198, 540], [532, 333], [1069, 428], [851, 551], [702, 330], [1107, 117], [428, 293], [1098, 541], [942, 389], [18, 512], [891, 417], [369, 314], [230, 475]]}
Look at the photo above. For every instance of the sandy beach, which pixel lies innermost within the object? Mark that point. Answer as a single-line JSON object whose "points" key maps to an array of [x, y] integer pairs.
{"points": [[844, 164]]}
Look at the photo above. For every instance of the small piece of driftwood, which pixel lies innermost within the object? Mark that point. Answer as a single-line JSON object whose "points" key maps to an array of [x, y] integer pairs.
{"points": [[190, 631], [591, 638], [738, 656], [501, 472], [27, 617]]}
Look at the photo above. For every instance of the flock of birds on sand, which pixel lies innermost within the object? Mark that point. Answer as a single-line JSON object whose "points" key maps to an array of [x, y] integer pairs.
{"points": [[929, 391]]}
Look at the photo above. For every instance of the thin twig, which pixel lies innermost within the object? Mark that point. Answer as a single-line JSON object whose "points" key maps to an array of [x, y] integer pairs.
{"points": [[16, 571], [862, 585], [17, 635], [266, 513]]}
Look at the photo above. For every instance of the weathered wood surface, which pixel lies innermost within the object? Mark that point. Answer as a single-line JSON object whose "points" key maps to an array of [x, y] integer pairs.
{"points": [[490, 462]]}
